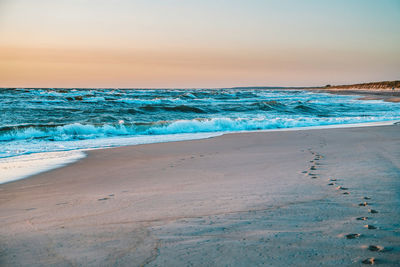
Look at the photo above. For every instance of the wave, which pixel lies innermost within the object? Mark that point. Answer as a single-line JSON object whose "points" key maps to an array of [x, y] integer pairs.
{"points": [[179, 108], [305, 108], [77, 131], [268, 105], [66, 132], [245, 124]]}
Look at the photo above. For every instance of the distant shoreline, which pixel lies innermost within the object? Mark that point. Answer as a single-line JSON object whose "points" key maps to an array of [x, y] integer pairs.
{"points": [[371, 87], [386, 94]]}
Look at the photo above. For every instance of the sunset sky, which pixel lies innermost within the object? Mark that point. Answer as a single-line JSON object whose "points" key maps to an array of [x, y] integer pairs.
{"points": [[204, 43]]}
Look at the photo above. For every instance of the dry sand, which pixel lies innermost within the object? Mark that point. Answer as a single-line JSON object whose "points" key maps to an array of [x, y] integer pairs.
{"points": [[274, 198]]}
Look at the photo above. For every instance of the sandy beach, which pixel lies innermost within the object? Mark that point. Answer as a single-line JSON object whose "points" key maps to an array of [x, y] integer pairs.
{"points": [[300, 198], [388, 94]]}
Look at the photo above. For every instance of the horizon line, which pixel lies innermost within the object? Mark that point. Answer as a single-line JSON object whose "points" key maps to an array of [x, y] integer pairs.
{"points": [[232, 87]]}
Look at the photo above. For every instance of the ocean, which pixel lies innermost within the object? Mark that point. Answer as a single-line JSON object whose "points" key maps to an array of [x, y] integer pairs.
{"points": [[45, 120], [51, 120]]}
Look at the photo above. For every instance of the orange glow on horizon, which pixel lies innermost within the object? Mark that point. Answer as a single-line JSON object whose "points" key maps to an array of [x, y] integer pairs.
{"points": [[168, 44]]}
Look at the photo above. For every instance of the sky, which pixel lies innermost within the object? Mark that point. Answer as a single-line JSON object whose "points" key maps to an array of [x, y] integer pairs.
{"points": [[197, 44]]}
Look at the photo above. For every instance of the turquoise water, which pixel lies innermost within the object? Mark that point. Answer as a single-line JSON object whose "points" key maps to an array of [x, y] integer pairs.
{"points": [[45, 120]]}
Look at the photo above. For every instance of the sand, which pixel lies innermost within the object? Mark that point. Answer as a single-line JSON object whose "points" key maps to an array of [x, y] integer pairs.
{"points": [[300, 198], [388, 94]]}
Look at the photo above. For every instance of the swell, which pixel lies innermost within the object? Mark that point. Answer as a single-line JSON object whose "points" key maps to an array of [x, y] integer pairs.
{"points": [[179, 108]]}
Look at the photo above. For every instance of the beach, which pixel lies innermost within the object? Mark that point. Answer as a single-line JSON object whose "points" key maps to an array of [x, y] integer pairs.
{"points": [[387, 94], [199, 133], [304, 198]]}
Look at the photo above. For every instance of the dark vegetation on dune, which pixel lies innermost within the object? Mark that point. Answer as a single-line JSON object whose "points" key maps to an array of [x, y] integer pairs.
{"points": [[371, 85]]}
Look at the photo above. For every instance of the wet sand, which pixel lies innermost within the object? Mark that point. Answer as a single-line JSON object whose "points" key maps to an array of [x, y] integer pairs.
{"points": [[300, 198]]}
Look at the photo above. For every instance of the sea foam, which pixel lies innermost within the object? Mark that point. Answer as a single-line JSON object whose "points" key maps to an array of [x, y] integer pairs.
{"points": [[20, 167]]}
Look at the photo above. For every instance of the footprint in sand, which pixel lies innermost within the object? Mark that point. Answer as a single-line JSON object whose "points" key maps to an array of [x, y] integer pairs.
{"points": [[375, 248], [352, 236], [370, 261], [369, 226], [362, 218], [313, 175], [372, 211], [379, 248], [341, 188], [363, 204]]}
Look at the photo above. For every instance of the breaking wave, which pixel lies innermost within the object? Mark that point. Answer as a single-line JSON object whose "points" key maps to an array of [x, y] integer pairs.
{"points": [[77, 131]]}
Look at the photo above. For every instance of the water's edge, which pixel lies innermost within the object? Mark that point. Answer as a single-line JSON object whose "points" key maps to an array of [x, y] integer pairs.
{"points": [[25, 166]]}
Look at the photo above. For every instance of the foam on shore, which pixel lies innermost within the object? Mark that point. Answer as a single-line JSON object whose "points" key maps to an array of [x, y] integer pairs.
{"points": [[20, 167]]}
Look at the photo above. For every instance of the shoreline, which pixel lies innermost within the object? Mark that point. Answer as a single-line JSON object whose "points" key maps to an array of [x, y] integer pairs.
{"points": [[387, 95], [260, 197], [26, 166]]}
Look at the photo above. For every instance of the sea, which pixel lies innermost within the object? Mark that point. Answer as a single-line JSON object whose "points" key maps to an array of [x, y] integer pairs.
{"points": [[41, 125]]}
